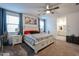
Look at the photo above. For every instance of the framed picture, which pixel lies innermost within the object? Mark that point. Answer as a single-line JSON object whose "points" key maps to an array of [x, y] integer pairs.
{"points": [[31, 21]]}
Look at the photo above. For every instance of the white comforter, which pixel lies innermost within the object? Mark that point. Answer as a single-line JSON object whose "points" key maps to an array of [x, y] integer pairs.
{"points": [[34, 38], [41, 35]]}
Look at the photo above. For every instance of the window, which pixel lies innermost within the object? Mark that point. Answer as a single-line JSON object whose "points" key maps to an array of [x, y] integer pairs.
{"points": [[42, 25], [12, 22]]}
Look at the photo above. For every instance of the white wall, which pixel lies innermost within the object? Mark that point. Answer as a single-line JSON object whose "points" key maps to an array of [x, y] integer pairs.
{"points": [[28, 26], [50, 23], [73, 24], [61, 23]]}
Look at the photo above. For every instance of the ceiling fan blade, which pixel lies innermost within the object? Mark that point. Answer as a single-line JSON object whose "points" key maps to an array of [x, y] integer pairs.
{"points": [[41, 13], [54, 8], [50, 9], [47, 9]]}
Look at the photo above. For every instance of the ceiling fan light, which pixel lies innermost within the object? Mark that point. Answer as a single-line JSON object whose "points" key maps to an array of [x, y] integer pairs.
{"points": [[47, 12]]}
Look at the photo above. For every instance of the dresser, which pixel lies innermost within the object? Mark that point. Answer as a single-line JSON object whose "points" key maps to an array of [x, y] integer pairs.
{"points": [[15, 39], [72, 39]]}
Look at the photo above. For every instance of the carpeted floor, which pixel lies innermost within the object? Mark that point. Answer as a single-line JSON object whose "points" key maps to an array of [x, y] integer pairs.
{"points": [[59, 48], [16, 50]]}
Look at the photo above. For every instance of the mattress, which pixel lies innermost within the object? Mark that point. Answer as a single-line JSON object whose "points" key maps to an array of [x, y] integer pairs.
{"points": [[34, 38]]}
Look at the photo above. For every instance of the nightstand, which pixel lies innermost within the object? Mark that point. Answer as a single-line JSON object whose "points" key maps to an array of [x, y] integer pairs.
{"points": [[15, 39]]}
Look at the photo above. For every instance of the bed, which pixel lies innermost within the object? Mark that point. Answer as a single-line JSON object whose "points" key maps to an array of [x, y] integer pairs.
{"points": [[38, 41]]}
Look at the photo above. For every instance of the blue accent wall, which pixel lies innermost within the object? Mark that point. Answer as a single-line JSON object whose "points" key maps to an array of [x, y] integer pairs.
{"points": [[3, 28], [21, 24]]}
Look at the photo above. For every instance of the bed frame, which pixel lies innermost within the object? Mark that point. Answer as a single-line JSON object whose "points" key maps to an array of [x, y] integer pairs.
{"points": [[40, 45]]}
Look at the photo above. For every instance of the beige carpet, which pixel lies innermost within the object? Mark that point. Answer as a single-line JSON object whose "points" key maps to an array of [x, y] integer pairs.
{"points": [[16, 50], [59, 48]]}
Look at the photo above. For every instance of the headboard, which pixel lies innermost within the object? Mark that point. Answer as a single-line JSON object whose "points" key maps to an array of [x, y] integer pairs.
{"points": [[31, 32], [30, 24]]}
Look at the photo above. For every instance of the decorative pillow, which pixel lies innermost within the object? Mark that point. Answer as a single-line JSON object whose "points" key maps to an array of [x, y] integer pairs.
{"points": [[26, 32]]}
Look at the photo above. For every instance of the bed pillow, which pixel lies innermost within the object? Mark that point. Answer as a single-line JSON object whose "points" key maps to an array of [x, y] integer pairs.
{"points": [[26, 32]]}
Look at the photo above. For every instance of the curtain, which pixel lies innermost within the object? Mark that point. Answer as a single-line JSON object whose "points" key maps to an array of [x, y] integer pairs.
{"points": [[21, 24], [39, 24], [3, 26]]}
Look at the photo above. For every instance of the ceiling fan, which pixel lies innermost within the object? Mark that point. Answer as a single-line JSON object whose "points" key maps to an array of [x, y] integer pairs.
{"points": [[49, 9]]}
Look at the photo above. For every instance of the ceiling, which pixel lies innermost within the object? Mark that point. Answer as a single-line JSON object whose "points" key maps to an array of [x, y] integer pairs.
{"points": [[34, 8]]}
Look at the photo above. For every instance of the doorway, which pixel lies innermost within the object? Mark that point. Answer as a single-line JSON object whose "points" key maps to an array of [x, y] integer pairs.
{"points": [[61, 28], [42, 25]]}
